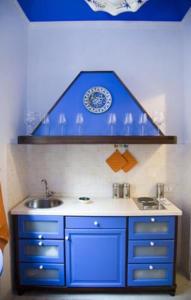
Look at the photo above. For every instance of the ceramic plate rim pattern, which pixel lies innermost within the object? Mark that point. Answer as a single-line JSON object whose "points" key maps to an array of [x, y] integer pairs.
{"points": [[90, 92]]}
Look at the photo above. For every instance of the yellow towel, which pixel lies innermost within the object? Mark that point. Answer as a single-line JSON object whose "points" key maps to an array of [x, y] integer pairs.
{"points": [[116, 161], [130, 161], [4, 231]]}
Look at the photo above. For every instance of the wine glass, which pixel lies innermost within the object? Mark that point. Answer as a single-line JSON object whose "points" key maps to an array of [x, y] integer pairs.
{"points": [[46, 124], [128, 120], [111, 121], [143, 122], [62, 123], [79, 122], [158, 118], [32, 118]]}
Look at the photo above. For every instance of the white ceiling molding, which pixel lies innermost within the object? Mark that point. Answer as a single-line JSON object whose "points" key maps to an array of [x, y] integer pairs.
{"points": [[115, 7]]}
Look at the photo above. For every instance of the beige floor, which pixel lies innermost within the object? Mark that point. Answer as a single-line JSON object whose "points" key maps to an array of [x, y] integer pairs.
{"points": [[183, 293]]}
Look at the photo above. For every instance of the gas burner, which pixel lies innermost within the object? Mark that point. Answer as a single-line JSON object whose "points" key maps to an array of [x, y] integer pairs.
{"points": [[147, 203]]}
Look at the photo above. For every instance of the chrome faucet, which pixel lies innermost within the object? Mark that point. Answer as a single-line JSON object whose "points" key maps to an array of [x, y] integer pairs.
{"points": [[47, 192]]}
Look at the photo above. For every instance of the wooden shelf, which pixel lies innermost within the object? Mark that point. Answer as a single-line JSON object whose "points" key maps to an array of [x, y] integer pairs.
{"points": [[45, 140]]}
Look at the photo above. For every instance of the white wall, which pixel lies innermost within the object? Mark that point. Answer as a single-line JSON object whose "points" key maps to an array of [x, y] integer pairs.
{"points": [[13, 45], [147, 57], [186, 167]]}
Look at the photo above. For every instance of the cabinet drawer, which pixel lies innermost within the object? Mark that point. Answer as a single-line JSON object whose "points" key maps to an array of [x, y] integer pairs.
{"points": [[96, 222], [150, 275], [151, 251], [41, 227], [42, 274], [151, 228], [51, 251]]}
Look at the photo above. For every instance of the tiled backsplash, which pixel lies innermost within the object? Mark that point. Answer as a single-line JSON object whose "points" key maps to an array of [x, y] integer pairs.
{"points": [[76, 170]]}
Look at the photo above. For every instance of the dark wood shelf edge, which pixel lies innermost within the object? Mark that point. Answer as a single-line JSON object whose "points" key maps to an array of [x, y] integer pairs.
{"points": [[45, 140]]}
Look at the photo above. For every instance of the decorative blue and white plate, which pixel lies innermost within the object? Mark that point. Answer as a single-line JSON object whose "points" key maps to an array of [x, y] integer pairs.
{"points": [[97, 100]]}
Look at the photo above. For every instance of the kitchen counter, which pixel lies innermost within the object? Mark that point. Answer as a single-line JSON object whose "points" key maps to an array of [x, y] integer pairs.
{"points": [[98, 207]]}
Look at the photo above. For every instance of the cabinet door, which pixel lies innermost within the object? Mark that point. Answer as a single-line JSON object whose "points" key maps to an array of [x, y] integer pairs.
{"points": [[150, 275], [151, 228], [41, 274], [95, 257], [151, 251], [41, 227], [51, 251]]}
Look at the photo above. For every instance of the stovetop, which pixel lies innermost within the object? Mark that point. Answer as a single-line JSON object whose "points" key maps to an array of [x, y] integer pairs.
{"points": [[147, 203]]}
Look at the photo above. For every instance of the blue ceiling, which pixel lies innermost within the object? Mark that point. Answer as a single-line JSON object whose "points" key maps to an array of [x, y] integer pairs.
{"points": [[78, 10]]}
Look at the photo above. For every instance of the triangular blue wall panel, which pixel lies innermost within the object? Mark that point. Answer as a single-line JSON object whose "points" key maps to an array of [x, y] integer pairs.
{"points": [[71, 103]]}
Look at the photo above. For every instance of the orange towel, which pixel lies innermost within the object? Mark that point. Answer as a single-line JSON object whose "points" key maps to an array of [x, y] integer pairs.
{"points": [[130, 161], [116, 161], [4, 232]]}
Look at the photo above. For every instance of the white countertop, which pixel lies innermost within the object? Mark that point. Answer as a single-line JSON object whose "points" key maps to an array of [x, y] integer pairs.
{"points": [[98, 207]]}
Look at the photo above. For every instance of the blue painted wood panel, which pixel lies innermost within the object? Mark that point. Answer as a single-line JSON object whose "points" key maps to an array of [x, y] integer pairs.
{"points": [[42, 274], [150, 275], [95, 257], [71, 103], [154, 227], [68, 10], [96, 222], [50, 251], [41, 227], [161, 251]]}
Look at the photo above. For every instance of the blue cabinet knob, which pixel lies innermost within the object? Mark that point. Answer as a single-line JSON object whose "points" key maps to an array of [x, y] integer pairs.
{"points": [[67, 238], [96, 223], [151, 267], [152, 220], [40, 244], [40, 236], [152, 244]]}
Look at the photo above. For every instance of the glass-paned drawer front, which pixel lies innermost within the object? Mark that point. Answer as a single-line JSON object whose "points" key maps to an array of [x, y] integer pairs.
{"points": [[41, 227], [151, 251], [151, 227], [41, 251], [96, 222], [42, 274], [150, 275]]}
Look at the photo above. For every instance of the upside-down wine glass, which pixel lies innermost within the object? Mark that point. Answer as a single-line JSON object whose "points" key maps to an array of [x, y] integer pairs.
{"points": [[158, 118], [79, 122], [142, 123], [111, 121], [128, 120], [62, 123]]}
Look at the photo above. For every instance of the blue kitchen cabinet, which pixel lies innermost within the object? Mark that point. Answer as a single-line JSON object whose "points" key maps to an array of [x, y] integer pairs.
{"points": [[96, 222], [41, 227], [51, 251], [95, 257], [150, 274], [154, 227], [152, 251], [42, 274]]}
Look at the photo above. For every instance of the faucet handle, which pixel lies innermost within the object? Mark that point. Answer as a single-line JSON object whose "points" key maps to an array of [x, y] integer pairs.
{"points": [[50, 193]]}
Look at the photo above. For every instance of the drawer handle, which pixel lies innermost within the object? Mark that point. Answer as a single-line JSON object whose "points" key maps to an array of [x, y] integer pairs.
{"points": [[40, 244], [152, 244], [152, 220], [67, 238], [96, 223], [41, 267], [151, 268], [40, 236]]}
